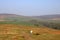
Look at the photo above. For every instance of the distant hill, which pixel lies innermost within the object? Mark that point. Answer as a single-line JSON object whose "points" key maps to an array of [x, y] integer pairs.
{"points": [[25, 18], [13, 17], [5, 17], [2, 16], [49, 17]]}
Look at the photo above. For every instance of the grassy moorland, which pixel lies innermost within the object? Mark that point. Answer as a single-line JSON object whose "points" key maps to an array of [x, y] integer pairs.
{"points": [[14, 27], [22, 32]]}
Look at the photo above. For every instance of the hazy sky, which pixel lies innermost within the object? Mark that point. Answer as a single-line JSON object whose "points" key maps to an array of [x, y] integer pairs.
{"points": [[30, 7]]}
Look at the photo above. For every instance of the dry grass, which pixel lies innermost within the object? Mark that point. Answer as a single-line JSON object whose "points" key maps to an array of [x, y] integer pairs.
{"points": [[21, 32]]}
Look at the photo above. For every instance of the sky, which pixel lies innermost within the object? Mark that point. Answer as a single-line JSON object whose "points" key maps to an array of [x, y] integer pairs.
{"points": [[30, 7]]}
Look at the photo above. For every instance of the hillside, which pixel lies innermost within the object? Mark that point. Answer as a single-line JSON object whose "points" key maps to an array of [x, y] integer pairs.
{"points": [[17, 27], [51, 21]]}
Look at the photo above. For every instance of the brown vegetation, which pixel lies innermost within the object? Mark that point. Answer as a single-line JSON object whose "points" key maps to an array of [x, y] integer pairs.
{"points": [[19, 32]]}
